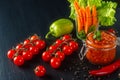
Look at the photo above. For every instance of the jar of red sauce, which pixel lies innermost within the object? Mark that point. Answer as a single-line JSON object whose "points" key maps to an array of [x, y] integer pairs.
{"points": [[102, 51]]}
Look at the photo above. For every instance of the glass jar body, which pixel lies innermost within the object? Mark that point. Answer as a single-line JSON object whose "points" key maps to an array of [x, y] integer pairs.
{"points": [[97, 52]]}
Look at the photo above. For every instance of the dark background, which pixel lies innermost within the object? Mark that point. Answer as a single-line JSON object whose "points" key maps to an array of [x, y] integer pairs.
{"points": [[22, 18]]}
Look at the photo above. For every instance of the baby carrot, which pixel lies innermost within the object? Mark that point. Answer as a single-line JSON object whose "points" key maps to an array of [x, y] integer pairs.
{"points": [[94, 16], [79, 26], [79, 16], [89, 15], [81, 19], [76, 6], [88, 22], [83, 15]]}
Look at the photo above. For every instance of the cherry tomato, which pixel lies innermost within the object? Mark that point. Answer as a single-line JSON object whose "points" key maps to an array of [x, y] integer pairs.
{"points": [[66, 37], [111, 30], [55, 62], [27, 41], [40, 44], [58, 42], [19, 46], [67, 50], [74, 45], [52, 48], [27, 55], [40, 71], [34, 37], [27, 46], [18, 60], [60, 55], [20, 51], [11, 53], [34, 49], [46, 56]]}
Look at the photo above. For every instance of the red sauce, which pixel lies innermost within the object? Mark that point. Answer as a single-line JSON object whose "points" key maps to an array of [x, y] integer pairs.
{"points": [[103, 51]]}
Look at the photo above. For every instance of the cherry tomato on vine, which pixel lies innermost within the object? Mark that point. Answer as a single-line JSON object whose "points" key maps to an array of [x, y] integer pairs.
{"points": [[34, 49], [34, 37], [67, 50], [19, 46], [40, 44], [60, 55], [55, 62], [11, 53], [66, 37], [58, 42], [40, 71], [27, 46], [46, 56], [20, 52], [18, 60], [52, 48], [27, 41], [74, 45], [27, 55]]}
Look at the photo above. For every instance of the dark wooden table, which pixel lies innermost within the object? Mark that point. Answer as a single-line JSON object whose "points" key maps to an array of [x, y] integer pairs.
{"points": [[22, 18]]}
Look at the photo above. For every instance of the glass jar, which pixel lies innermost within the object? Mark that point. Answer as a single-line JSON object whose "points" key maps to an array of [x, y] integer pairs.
{"points": [[101, 52]]}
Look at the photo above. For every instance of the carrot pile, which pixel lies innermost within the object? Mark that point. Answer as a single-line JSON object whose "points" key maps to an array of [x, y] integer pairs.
{"points": [[86, 17]]}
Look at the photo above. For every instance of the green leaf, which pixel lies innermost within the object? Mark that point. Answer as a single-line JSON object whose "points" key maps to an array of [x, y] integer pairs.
{"points": [[81, 35], [71, 1], [72, 10], [97, 3], [106, 13], [82, 3], [97, 35], [91, 29], [105, 9]]}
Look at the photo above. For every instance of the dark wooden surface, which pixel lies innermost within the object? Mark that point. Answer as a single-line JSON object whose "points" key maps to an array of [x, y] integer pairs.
{"points": [[22, 18]]}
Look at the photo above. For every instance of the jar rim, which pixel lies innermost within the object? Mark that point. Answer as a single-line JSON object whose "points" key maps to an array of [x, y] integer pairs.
{"points": [[90, 43]]}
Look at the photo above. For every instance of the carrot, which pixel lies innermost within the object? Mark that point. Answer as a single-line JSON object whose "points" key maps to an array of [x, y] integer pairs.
{"points": [[83, 15], [88, 15], [81, 19], [79, 26], [88, 22], [94, 16], [79, 16], [76, 7]]}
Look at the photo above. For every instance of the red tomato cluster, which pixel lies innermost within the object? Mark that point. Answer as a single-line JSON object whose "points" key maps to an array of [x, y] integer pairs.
{"points": [[26, 50], [56, 52]]}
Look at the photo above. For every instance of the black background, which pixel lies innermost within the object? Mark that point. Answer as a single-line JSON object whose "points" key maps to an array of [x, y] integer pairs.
{"points": [[20, 19]]}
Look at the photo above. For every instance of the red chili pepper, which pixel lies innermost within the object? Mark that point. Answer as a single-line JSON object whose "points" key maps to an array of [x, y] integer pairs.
{"points": [[106, 70]]}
